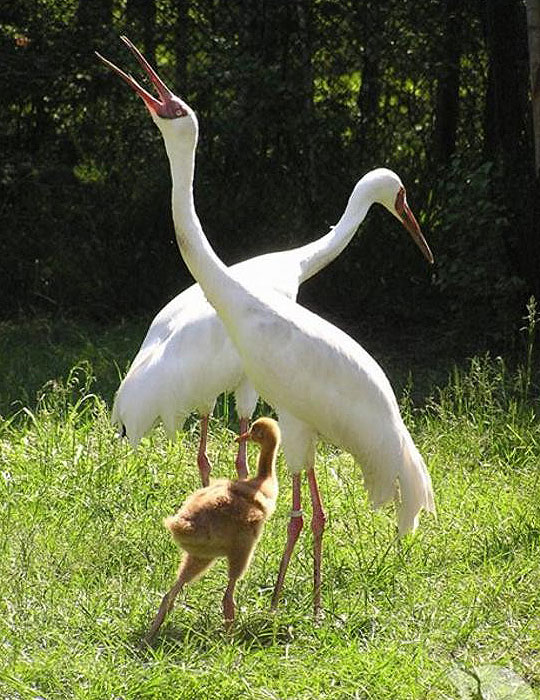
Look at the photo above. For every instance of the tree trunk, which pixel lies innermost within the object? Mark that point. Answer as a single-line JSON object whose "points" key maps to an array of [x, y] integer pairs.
{"points": [[447, 99], [507, 47], [533, 27], [512, 133]]}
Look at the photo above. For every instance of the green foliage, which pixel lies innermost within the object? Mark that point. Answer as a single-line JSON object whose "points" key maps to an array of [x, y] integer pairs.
{"points": [[295, 101], [474, 271]]}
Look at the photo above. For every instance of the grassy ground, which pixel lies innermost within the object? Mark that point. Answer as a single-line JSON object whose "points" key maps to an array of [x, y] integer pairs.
{"points": [[84, 559]]}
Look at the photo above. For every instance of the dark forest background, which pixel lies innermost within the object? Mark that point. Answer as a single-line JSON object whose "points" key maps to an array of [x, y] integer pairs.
{"points": [[296, 101]]}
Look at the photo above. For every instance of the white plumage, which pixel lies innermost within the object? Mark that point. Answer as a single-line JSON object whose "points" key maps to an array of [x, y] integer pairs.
{"points": [[187, 359], [319, 379]]}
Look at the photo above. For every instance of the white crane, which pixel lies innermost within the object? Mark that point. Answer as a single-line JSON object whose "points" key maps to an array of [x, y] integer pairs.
{"points": [[187, 359], [320, 380]]}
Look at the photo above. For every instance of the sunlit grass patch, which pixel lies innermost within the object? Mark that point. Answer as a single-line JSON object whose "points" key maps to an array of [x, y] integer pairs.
{"points": [[84, 560]]}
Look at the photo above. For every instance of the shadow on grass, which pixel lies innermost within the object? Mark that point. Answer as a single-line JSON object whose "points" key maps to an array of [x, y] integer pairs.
{"points": [[263, 630], [201, 634], [256, 631], [172, 640]]}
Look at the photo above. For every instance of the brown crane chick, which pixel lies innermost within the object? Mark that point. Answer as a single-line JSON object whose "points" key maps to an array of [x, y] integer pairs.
{"points": [[224, 519]]}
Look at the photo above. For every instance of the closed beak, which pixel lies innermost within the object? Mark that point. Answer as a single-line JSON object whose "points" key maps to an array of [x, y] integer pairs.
{"points": [[411, 224], [244, 436]]}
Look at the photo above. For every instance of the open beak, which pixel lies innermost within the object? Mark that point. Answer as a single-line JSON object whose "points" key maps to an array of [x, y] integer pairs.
{"points": [[168, 106], [407, 218]]}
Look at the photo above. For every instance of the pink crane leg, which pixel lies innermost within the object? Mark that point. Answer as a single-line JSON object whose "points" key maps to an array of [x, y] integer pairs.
{"points": [[318, 522], [241, 457], [202, 458], [293, 531]]}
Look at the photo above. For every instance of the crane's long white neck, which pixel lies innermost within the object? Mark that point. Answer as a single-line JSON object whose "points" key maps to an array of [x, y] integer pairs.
{"points": [[198, 254], [313, 257]]}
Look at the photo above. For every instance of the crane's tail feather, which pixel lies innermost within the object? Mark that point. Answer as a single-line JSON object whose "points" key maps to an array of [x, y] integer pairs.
{"points": [[115, 418], [415, 488], [399, 463]]}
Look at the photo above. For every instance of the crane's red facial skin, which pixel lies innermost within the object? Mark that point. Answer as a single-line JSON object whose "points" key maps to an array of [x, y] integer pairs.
{"points": [[168, 106], [411, 224]]}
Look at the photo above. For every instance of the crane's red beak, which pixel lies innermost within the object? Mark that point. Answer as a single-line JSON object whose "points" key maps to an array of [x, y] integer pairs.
{"points": [[168, 106], [408, 220]]}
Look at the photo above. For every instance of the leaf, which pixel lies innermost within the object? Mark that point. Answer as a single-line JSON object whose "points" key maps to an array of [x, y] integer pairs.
{"points": [[490, 682], [501, 683]]}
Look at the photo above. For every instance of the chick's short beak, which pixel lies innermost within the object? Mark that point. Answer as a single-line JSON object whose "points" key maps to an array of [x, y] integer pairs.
{"points": [[244, 436]]}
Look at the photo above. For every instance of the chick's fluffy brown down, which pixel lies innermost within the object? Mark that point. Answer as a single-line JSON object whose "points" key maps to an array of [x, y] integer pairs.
{"points": [[219, 519], [224, 519]]}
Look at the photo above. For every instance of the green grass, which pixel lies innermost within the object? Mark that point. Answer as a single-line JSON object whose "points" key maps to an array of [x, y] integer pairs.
{"points": [[84, 559]]}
